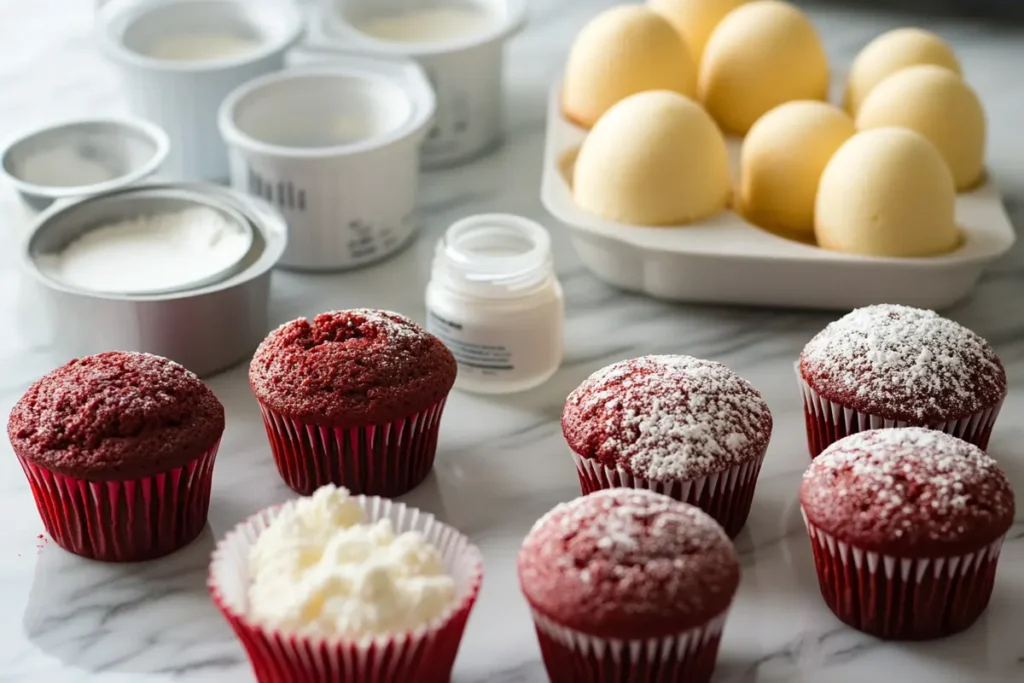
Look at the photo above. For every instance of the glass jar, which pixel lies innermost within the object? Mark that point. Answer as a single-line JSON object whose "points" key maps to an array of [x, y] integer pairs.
{"points": [[494, 300]]}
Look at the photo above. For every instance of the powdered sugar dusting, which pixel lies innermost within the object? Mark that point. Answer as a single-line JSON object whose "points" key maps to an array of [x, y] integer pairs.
{"points": [[903, 363], [636, 552], [667, 418], [618, 524], [911, 486]]}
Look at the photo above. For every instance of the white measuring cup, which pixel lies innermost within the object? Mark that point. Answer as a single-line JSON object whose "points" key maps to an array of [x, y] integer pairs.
{"points": [[465, 69], [334, 144], [178, 59]]}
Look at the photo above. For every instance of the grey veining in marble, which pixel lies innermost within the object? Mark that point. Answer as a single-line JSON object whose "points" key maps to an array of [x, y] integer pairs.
{"points": [[501, 462]]}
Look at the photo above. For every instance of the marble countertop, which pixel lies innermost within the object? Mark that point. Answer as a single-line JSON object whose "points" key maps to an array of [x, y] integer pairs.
{"points": [[501, 461]]}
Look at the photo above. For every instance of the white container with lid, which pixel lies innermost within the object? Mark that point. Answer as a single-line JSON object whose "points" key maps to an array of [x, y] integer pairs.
{"points": [[495, 301], [460, 45], [178, 60], [335, 148]]}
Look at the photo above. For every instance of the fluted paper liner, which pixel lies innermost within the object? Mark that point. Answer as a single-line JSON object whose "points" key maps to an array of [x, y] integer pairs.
{"points": [[899, 598], [124, 521], [687, 657], [381, 460], [424, 655], [828, 422], [726, 495]]}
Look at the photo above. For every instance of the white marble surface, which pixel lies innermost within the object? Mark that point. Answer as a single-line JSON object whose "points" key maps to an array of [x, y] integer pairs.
{"points": [[502, 462]]}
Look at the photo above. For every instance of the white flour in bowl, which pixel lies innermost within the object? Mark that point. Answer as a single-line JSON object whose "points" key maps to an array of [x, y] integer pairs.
{"points": [[152, 253]]}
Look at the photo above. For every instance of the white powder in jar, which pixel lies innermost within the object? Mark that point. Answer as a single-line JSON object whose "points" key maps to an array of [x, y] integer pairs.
{"points": [[152, 253]]}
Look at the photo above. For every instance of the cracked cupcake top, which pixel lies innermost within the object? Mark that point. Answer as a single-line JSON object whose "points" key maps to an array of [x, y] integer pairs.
{"points": [[353, 367]]}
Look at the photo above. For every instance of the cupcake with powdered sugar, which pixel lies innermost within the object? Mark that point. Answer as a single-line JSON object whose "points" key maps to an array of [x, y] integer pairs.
{"points": [[628, 585], [688, 428], [895, 366], [906, 525]]}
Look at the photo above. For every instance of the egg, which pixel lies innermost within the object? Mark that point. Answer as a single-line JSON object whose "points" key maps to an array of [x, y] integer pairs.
{"points": [[891, 52], [623, 51], [939, 105], [656, 158], [887, 192], [781, 162], [761, 55], [695, 19]]}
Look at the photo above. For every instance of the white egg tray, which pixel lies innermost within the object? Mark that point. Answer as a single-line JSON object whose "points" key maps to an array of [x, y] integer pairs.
{"points": [[727, 260]]}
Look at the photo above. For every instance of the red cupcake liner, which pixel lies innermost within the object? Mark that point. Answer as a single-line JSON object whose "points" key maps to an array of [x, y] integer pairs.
{"points": [[828, 422], [899, 598], [381, 459], [124, 521], [726, 495], [571, 656], [424, 655]]}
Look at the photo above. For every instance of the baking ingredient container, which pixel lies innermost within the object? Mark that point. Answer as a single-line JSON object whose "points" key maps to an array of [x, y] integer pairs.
{"points": [[82, 157], [495, 302], [460, 45], [206, 328], [335, 148], [178, 59]]}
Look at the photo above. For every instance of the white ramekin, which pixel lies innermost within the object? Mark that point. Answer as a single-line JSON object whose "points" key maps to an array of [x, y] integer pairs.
{"points": [[466, 73], [182, 97], [348, 203]]}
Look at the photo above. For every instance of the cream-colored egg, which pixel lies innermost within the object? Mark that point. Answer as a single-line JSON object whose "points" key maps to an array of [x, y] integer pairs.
{"points": [[695, 19], [782, 160], [939, 105], [623, 51], [761, 55], [656, 158], [891, 52], [887, 192]]}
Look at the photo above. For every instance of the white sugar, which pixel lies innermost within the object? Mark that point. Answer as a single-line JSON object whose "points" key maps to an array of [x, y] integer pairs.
{"points": [[904, 469], [614, 520], [904, 356], [674, 417]]}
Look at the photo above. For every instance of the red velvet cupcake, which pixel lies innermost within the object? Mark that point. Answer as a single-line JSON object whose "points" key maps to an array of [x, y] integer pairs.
{"points": [[119, 451], [906, 527], [894, 366], [691, 429], [628, 586], [353, 398]]}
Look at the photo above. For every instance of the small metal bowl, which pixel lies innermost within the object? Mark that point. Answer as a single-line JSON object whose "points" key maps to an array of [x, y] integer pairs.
{"points": [[106, 154], [66, 227], [207, 329]]}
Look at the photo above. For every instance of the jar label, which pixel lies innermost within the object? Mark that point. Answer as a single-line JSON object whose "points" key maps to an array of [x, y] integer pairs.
{"points": [[472, 356]]}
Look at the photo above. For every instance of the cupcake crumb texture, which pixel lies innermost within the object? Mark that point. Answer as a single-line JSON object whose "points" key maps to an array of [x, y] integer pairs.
{"points": [[908, 492], [116, 415], [351, 367], [667, 418], [904, 363], [628, 563], [321, 568]]}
